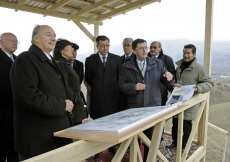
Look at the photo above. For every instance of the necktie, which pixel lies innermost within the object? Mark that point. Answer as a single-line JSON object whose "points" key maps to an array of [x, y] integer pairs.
{"points": [[142, 68], [154, 57], [72, 64], [12, 58], [104, 63], [126, 57]]}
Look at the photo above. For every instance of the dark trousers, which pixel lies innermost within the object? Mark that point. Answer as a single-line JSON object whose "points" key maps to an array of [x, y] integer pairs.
{"points": [[7, 152], [148, 133], [187, 127], [163, 100], [24, 157]]}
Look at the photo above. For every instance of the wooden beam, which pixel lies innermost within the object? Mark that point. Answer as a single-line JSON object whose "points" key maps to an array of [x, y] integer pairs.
{"points": [[155, 141], [92, 7], [59, 4], [84, 30], [126, 8], [21, 1], [77, 151], [133, 149], [96, 33], [47, 12], [218, 129], [180, 135], [208, 35]]}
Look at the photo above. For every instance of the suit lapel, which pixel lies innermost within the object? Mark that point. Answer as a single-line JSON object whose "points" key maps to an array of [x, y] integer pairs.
{"points": [[98, 61], [5, 57]]}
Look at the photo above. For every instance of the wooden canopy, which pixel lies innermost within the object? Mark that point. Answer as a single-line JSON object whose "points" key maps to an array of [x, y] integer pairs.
{"points": [[87, 11]]}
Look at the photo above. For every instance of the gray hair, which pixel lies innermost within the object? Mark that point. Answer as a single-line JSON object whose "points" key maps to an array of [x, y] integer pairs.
{"points": [[127, 40], [35, 32], [160, 45]]}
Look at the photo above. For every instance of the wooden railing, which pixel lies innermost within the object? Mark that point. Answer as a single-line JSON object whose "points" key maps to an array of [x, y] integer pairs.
{"points": [[82, 149]]}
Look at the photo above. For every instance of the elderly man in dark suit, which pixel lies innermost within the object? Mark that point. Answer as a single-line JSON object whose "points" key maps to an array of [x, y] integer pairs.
{"points": [[156, 52], [8, 45], [102, 74], [40, 98], [127, 48]]}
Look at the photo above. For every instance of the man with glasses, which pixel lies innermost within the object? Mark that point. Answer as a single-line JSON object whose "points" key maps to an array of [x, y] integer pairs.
{"points": [[127, 47], [102, 74], [8, 45], [140, 79], [156, 52]]}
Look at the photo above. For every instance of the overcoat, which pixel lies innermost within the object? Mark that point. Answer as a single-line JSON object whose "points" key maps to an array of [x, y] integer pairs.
{"points": [[194, 74], [130, 75], [104, 84], [39, 100], [73, 88], [6, 98], [79, 69]]}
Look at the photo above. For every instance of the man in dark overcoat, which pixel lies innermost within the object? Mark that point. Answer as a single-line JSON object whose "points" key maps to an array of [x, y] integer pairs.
{"points": [[102, 74], [8, 45], [128, 55], [140, 79], [40, 99], [156, 52]]}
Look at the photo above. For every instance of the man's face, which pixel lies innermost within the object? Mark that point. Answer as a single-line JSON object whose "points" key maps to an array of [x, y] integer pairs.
{"points": [[127, 47], [46, 39], [103, 47], [74, 54], [154, 48], [9, 43], [141, 51], [188, 55]]}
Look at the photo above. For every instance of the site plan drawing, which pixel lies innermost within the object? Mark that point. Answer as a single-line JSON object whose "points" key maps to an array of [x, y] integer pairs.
{"points": [[181, 94], [123, 120]]}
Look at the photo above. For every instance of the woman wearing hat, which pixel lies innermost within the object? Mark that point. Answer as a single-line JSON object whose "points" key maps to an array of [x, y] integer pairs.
{"points": [[63, 52]]}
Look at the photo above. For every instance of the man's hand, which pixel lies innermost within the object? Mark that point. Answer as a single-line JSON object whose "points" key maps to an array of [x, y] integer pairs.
{"points": [[195, 89], [69, 105], [140, 86], [168, 76], [177, 85]]}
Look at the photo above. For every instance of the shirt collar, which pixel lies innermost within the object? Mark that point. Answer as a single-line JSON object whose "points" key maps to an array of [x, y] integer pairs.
{"points": [[48, 56], [7, 53]]}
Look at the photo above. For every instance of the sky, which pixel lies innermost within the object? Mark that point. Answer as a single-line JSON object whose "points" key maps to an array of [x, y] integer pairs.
{"points": [[169, 19]]}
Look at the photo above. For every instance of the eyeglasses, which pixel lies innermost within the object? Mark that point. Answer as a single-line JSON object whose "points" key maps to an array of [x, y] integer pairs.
{"points": [[103, 46], [154, 47], [127, 45], [142, 48], [12, 40]]}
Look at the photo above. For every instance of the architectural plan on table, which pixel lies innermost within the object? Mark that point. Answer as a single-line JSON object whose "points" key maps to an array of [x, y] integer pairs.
{"points": [[123, 120]]}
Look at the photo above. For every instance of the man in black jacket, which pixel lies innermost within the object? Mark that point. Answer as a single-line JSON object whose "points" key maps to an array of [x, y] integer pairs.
{"points": [[40, 98], [127, 48], [156, 52], [8, 45], [140, 78]]}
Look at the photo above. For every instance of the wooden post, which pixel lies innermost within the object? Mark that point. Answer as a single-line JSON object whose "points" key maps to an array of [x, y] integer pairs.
{"points": [[96, 33]]}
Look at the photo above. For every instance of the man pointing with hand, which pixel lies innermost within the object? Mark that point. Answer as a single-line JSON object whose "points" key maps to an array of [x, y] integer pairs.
{"points": [[140, 79]]}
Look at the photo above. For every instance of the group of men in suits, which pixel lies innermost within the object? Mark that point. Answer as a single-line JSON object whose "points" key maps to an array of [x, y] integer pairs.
{"points": [[40, 101]]}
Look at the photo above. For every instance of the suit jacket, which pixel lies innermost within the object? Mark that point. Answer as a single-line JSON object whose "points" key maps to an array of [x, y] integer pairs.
{"points": [[123, 60], [123, 97], [104, 84], [39, 96], [79, 69], [6, 99], [169, 64]]}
